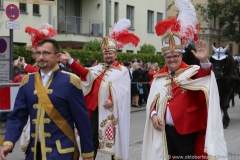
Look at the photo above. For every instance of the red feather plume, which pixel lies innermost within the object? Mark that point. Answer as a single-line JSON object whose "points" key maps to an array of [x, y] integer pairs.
{"points": [[163, 26], [124, 38], [37, 34]]}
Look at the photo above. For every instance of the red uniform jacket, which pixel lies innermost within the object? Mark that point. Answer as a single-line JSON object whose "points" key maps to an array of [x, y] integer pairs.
{"points": [[189, 109]]}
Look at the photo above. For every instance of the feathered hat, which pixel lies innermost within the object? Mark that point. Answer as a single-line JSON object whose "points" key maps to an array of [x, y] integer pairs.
{"points": [[178, 33], [219, 53], [119, 36], [41, 32]]}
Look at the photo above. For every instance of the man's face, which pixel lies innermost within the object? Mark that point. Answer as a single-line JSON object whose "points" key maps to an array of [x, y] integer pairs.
{"points": [[109, 57], [46, 57], [173, 60], [140, 63]]}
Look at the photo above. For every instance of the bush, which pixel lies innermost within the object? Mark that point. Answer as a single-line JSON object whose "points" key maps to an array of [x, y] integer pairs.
{"points": [[93, 45], [147, 48], [85, 56]]}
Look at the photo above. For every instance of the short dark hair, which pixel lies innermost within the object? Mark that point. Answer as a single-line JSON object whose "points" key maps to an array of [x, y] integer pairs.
{"points": [[16, 67], [126, 63], [56, 46], [93, 61]]}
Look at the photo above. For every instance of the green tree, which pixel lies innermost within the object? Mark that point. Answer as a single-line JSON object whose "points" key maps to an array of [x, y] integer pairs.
{"points": [[147, 48], [93, 45], [227, 15]]}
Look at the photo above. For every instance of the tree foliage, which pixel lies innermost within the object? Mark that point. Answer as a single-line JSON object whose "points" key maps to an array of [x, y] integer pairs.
{"points": [[147, 48], [93, 45], [227, 15]]}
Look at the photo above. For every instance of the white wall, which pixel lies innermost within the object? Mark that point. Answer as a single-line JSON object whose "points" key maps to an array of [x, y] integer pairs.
{"points": [[26, 20]]}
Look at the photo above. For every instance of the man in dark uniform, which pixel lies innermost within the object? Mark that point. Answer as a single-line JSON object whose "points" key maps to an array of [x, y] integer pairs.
{"points": [[54, 101]]}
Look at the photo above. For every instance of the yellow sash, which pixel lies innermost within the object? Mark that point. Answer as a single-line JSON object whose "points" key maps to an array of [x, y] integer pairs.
{"points": [[57, 118]]}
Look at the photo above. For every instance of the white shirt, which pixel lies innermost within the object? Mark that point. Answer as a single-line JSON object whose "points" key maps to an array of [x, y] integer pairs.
{"points": [[169, 119]]}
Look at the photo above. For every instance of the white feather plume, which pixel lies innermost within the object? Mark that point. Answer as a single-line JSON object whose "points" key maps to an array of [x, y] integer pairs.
{"points": [[121, 25], [188, 19]]}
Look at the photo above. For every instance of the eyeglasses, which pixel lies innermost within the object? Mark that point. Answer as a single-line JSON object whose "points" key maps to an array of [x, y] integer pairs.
{"points": [[175, 57], [44, 53]]}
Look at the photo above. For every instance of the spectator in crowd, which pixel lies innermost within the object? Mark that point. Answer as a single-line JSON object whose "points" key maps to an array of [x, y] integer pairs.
{"points": [[94, 62], [128, 65], [151, 73], [144, 78], [17, 75]]}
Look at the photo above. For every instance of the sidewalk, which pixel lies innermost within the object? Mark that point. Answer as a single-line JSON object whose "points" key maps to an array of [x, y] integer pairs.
{"points": [[135, 109]]}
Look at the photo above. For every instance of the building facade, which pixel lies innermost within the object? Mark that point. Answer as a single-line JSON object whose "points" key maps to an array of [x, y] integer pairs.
{"points": [[79, 21]]}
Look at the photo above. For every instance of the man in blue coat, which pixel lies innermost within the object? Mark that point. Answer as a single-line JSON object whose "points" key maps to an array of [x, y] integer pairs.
{"points": [[53, 99]]}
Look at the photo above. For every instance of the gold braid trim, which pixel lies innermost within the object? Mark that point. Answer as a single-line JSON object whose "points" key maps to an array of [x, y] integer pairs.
{"points": [[1, 140], [87, 155], [154, 102], [172, 46], [25, 80], [63, 151], [8, 143], [75, 80]]}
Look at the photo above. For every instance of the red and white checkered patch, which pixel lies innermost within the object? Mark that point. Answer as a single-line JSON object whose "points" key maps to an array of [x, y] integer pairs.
{"points": [[110, 132]]}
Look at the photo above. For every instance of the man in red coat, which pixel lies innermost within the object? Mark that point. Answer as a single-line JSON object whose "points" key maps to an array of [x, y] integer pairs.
{"points": [[180, 99]]}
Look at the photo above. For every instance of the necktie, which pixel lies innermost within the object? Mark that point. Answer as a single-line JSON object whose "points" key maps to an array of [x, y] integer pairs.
{"points": [[172, 74]]}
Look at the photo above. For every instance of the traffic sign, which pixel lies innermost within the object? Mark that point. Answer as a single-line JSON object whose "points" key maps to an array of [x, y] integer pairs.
{"points": [[12, 25], [3, 45], [4, 48], [12, 11]]}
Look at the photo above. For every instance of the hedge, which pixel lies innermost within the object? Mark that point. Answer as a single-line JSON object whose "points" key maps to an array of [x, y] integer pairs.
{"points": [[86, 56]]}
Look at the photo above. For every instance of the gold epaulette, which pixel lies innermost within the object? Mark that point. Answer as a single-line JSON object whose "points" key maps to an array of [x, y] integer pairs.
{"points": [[74, 79], [24, 80]]}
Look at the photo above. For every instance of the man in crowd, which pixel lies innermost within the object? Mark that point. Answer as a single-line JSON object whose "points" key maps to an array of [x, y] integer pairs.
{"points": [[181, 98], [54, 101]]}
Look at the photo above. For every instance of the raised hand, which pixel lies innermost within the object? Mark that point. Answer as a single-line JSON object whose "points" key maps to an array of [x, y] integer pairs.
{"points": [[65, 57], [201, 51]]}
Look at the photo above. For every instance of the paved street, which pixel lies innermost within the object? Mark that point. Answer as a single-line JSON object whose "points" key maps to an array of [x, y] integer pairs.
{"points": [[232, 135]]}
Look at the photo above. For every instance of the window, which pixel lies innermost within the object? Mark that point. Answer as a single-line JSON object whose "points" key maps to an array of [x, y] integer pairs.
{"points": [[116, 12], [159, 16], [150, 21], [1, 4], [130, 15], [129, 51], [23, 7], [36, 9]]}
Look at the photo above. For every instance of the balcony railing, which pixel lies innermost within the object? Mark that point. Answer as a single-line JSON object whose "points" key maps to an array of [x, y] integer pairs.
{"points": [[78, 25]]}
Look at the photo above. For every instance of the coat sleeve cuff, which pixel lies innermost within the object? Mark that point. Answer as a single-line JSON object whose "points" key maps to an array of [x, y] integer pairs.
{"points": [[8, 143], [88, 155]]}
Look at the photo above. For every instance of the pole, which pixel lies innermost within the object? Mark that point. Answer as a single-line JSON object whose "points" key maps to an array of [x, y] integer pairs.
{"points": [[11, 55], [107, 17]]}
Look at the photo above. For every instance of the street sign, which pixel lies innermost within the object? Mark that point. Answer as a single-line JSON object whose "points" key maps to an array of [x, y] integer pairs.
{"points": [[12, 11], [12, 25], [3, 45], [4, 72]]}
